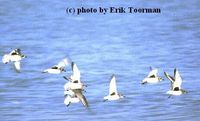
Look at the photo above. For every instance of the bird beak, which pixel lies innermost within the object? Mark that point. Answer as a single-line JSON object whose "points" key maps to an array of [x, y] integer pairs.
{"points": [[24, 56], [85, 85], [142, 83], [104, 100], [161, 78]]}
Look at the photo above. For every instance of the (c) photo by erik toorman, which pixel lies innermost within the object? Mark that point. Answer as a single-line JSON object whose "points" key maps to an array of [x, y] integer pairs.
{"points": [[96, 60]]}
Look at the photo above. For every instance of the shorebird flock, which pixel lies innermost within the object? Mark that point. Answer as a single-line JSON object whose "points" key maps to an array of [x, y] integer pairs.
{"points": [[74, 88]]}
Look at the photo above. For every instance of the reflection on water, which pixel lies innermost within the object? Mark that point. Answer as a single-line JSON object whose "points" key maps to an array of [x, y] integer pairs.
{"points": [[125, 44]]}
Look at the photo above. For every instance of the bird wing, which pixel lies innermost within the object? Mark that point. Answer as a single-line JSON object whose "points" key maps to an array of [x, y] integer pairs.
{"points": [[17, 66], [178, 79], [113, 86], [64, 62], [54, 67], [69, 92], [153, 72], [169, 77], [13, 51], [76, 73], [81, 97], [18, 51], [6, 58]]}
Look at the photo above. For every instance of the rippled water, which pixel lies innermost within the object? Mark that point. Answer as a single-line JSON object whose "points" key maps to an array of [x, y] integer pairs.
{"points": [[123, 44]]}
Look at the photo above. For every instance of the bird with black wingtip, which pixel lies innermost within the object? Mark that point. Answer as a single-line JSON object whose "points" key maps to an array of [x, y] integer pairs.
{"points": [[14, 56], [176, 83], [75, 86]]}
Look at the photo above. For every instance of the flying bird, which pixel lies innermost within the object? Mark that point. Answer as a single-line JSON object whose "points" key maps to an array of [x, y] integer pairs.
{"points": [[74, 81], [113, 94], [81, 97], [14, 56], [152, 77], [70, 97], [176, 83], [75, 87], [59, 68]]}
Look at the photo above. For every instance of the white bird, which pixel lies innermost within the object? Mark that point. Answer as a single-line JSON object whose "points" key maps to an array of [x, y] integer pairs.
{"points": [[14, 56], [76, 74], [74, 96], [176, 82], [71, 85], [70, 97], [74, 87], [59, 68], [74, 79], [68, 100], [78, 93], [113, 94], [152, 77]]}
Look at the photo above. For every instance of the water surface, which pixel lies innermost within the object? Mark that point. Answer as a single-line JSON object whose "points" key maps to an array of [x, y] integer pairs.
{"points": [[101, 45]]}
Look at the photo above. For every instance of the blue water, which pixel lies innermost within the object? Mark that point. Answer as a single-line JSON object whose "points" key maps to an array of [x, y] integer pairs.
{"points": [[101, 45]]}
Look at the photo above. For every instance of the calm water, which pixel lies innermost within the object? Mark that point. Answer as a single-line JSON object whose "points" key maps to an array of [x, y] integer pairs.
{"points": [[123, 44]]}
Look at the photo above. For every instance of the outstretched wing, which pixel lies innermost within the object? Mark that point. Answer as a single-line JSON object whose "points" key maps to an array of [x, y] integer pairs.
{"points": [[113, 86], [69, 92], [6, 58], [178, 79], [78, 93], [18, 51], [17, 66], [76, 73], [169, 77], [63, 63], [153, 73], [13, 51]]}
